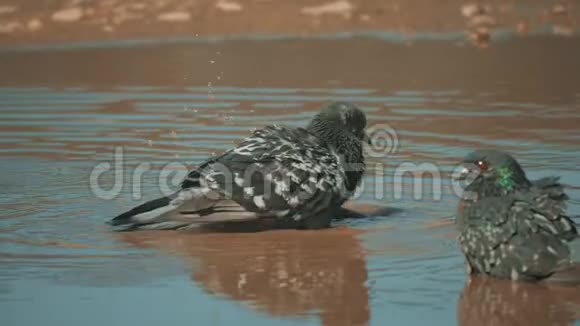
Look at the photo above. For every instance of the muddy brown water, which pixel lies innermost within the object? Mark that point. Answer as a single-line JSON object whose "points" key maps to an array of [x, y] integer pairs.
{"points": [[65, 110]]}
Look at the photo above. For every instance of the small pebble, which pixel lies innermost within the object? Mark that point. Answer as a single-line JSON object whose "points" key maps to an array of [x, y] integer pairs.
{"points": [[227, 5], [559, 9], [365, 18], [341, 7], [469, 10], [562, 30], [174, 16], [522, 28], [68, 15], [34, 24], [481, 38]]}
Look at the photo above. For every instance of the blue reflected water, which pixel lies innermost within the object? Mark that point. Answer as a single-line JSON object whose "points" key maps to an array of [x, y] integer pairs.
{"points": [[60, 261]]}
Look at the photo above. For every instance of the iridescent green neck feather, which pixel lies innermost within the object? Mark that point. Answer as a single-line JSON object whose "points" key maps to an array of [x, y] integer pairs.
{"points": [[506, 179]]}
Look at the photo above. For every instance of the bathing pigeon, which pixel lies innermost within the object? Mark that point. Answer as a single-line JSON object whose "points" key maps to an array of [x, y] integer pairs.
{"points": [[511, 227], [296, 177]]}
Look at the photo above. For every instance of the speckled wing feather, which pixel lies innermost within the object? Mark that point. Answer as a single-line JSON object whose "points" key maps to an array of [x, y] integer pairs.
{"points": [[281, 173], [292, 177], [519, 236], [278, 172]]}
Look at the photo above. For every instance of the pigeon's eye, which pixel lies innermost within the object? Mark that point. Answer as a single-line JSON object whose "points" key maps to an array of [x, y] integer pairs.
{"points": [[483, 166]]}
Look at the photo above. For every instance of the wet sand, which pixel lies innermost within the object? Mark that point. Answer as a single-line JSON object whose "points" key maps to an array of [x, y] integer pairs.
{"points": [[30, 21]]}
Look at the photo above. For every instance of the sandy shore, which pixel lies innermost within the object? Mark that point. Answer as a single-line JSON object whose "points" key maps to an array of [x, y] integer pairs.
{"points": [[33, 21]]}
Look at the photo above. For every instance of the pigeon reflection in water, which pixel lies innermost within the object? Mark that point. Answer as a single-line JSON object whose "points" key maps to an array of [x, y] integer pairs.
{"points": [[488, 301], [282, 273]]}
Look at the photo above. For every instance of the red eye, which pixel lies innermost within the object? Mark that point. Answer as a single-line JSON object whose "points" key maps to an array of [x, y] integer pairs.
{"points": [[482, 165]]}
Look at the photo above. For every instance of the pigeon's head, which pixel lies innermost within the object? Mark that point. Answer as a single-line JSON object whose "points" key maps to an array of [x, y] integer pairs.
{"points": [[492, 173], [340, 119]]}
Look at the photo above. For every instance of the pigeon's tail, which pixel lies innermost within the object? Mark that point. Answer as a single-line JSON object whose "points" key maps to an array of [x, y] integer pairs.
{"points": [[183, 209]]}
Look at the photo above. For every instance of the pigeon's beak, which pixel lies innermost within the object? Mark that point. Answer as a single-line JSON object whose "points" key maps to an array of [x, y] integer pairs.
{"points": [[462, 174], [367, 139], [465, 172]]}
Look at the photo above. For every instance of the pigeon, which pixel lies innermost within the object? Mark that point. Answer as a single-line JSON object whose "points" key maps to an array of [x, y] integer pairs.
{"points": [[511, 227], [293, 177]]}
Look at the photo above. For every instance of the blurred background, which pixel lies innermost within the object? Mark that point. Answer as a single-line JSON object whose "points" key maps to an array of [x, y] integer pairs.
{"points": [[26, 21], [111, 85]]}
